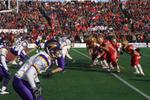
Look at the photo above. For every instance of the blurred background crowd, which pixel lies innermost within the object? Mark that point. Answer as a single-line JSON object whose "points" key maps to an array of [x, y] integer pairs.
{"points": [[128, 20]]}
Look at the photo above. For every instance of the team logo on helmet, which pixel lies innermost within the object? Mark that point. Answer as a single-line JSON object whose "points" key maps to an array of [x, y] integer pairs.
{"points": [[51, 47]]}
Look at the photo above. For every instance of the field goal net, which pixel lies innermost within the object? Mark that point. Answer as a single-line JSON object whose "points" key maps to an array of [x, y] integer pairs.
{"points": [[9, 6]]}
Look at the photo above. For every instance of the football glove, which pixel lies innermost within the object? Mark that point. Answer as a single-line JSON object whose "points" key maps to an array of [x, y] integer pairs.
{"points": [[36, 93], [38, 85], [49, 75]]}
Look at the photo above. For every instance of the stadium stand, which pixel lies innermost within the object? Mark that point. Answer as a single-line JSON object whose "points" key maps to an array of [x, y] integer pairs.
{"points": [[77, 18]]}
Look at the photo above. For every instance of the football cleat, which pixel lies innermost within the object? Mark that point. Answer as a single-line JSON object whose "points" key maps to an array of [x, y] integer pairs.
{"points": [[142, 74], [4, 92]]}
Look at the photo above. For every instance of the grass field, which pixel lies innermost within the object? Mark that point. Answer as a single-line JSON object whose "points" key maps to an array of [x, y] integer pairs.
{"points": [[81, 82]]}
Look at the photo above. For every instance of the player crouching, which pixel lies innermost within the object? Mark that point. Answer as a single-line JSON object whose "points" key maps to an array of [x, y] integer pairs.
{"points": [[26, 82], [135, 57], [111, 53], [92, 49]]}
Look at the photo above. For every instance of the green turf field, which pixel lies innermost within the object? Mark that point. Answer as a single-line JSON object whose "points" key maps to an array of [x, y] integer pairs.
{"points": [[81, 82]]}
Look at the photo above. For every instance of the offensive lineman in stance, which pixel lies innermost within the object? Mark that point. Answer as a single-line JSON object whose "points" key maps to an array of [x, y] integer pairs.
{"points": [[111, 53], [26, 82], [60, 62]]}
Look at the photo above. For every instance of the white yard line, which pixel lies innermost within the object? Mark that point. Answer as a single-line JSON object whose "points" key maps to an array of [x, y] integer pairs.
{"points": [[131, 86], [121, 79]]}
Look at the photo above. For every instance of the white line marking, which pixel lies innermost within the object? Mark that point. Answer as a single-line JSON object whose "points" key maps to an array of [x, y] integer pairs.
{"points": [[121, 79], [81, 53], [131, 86]]}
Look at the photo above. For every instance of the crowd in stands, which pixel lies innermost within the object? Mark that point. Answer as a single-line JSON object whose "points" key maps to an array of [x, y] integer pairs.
{"points": [[126, 20], [29, 17], [2, 5]]}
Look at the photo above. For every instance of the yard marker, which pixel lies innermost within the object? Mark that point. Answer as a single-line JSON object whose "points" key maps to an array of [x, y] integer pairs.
{"points": [[121, 79]]}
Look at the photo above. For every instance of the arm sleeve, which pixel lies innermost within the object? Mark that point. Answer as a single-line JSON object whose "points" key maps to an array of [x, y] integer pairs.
{"points": [[24, 52], [19, 51], [31, 74], [26, 66], [36, 79], [3, 61]]}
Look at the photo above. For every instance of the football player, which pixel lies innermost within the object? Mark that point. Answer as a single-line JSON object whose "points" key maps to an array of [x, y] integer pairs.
{"points": [[117, 46], [135, 57], [26, 82], [4, 71], [111, 53], [38, 43], [92, 49], [19, 51], [66, 45]]}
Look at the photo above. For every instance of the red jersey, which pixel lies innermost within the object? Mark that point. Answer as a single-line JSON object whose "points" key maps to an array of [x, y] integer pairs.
{"points": [[135, 55], [102, 52], [135, 59], [106, 42], [130, 48], [117, 47], [111, 52], [110, 47]]}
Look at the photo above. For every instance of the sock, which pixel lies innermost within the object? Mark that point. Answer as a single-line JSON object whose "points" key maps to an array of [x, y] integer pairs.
{"points": [[69, 56], [140, 69], [111, 66], [105, 63], [136, 69], [101, 63], [118, 68], [95, 62], [56, 62]]}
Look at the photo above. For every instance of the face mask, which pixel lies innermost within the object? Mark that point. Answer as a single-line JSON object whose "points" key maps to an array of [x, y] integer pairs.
{"points": [[58, 54]]}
